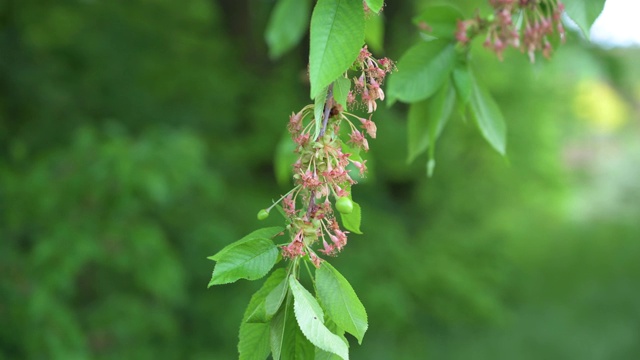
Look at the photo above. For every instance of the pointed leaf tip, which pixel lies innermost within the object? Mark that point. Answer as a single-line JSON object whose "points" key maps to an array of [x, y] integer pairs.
{"points": [[340, 301], [310, 318], [250, 260], [584, 13], [488, 117]]}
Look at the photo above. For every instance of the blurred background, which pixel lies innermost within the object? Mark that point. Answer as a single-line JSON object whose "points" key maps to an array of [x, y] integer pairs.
{"points": [[137, 138]]}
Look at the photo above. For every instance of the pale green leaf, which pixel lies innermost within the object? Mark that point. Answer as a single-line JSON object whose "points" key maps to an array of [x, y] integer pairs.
{"points": [[287, 24], [250, 260], [439, 115], [266, 233], [422, 70], [463, 83], [340, 301], [440, 20], [258, 298], [375, 5], [352, 221], [275, 298], [324, 355], [427, 119], [337, 35], [287, 340], [488, 117], [276, 334], [584, 13], [253, 341], [310, 318], [341, 89], [256, 310]]}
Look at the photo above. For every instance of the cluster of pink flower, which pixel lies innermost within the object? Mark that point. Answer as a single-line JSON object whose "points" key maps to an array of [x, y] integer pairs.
{"points": [[320, 172], [540, 20], [367, 86]]}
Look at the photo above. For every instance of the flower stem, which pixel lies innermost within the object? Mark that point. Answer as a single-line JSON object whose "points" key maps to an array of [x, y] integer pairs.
{"points": [[282, 197]]}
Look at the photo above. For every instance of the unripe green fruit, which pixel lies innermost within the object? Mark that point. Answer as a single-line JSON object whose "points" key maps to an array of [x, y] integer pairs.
{"points": [[263, 214], [344, 205], [491, 17]]}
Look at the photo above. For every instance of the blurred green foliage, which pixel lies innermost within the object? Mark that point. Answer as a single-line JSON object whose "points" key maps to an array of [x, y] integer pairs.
{"points": [[137, 139]]}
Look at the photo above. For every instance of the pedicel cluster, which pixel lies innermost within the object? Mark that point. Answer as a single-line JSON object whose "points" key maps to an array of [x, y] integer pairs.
{"points": [[322, 179], [527, 25]]}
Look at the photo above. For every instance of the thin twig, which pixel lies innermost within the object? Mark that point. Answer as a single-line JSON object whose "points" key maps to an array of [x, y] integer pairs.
{"points": [[328, 104], [312, 204]]}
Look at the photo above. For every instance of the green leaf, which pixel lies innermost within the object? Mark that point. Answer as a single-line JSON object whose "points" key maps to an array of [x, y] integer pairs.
{"points": [[439, 115], [250, 260], [259, 297], [318, 111], [374, 33], [287, 24], [284, 157], [352, 221], [254, 341], [337, 35], [441, 20], [375, 5], [417, 129], [431, 165], [422, 70], [487, 115], [254, 337], [276, 333], [267, 233], [340, 301], [257, 310], [427, 119], [341, 89], [584, 13], [276, 297], [287, 340], [324, 355], [463, 83], [310, 318]]}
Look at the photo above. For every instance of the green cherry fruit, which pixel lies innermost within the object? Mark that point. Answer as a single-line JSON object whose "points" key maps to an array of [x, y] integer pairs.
{"points": [[344, 205], [263, 214]]}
